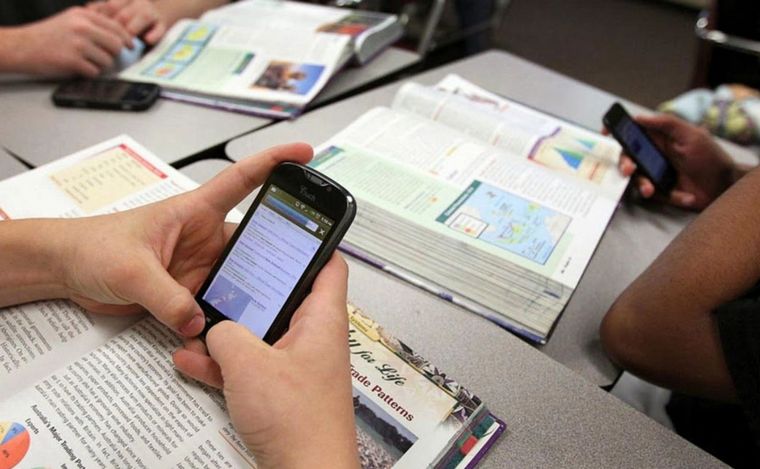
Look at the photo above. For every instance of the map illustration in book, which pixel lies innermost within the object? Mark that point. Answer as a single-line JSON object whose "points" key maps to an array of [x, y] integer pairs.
{"points": [[507, 221]]}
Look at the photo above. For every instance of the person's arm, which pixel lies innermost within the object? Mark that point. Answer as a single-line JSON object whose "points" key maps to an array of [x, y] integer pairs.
{"points": [[662, 327], [76, 41], [31, 255], [150, 19]]}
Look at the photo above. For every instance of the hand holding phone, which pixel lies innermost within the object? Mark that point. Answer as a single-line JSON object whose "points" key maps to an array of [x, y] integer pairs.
{"points": [[269, 264], [704, 169], [639, 146]]}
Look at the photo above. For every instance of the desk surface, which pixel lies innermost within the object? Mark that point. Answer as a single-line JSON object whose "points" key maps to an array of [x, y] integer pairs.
{"points": [[635, 236], [9, 166], [554, 417], [40, 132]]}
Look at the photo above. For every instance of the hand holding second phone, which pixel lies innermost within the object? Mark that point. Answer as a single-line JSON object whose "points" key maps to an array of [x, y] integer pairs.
{"points": [[704, 170]]}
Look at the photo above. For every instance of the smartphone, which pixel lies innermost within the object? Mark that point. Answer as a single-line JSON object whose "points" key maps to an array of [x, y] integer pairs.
{"points": [[637, 144], [104, 93], [292, 228]]}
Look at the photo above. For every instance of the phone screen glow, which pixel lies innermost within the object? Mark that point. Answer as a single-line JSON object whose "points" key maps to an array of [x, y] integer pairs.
{"points": [[268, 259], [642, 149]]}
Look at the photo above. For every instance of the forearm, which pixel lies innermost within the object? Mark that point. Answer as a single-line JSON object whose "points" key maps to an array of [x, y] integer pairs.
{"points": [[662, 327], [173, 10], [739, 171], [32, 260], [11, 57]]}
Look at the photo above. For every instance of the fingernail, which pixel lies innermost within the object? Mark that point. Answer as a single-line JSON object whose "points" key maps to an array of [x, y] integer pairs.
{"points": [[689, 199], [193, 327]]}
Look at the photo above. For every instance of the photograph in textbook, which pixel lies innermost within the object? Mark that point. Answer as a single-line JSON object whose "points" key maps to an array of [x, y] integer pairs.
{"points": [[381, 440], [289, 77]]}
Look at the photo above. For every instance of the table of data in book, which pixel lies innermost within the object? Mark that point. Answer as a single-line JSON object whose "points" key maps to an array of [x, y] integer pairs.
{"points": [[40, 132], [634, 237]]}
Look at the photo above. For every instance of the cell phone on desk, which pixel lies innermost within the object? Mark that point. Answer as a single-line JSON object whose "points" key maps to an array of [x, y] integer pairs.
{"points": [[637, 144], [292, 228], [104, 93]]}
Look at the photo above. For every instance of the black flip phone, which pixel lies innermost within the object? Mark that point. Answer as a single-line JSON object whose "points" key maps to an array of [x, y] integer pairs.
{"points": [[288, 235], [103, 93], [640, 148]]}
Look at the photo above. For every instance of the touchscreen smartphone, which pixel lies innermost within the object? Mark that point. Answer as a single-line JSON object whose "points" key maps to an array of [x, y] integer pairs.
{"points": [[103, 93], [266, 270], [637, 144]]}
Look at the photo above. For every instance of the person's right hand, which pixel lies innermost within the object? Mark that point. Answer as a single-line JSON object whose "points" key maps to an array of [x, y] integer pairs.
{"points": [[142, 18], [77, 41], [291, 402], [704, 169]]}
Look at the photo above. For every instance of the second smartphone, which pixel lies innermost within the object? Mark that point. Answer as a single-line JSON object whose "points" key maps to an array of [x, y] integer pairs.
{"points": [[637, 144], [106, 93], [297, 220]]}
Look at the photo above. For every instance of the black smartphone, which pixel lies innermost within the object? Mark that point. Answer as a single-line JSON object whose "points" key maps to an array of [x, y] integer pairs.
{"points": [[104, 93], [292, 228], [637, 144]]}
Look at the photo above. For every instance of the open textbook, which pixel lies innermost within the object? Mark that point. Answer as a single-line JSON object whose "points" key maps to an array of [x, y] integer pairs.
{"points": [[264, 57], [483, 201], [86, 390]]}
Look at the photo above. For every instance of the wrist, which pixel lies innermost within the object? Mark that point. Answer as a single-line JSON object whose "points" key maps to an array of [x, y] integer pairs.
{"points": [[738, 171], [12, 49], [329, 443], [33, 261]]}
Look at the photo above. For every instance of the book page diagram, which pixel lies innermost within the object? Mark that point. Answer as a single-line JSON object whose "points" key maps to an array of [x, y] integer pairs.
{"points": [[506, 221], [14, 444], [587, 158]]}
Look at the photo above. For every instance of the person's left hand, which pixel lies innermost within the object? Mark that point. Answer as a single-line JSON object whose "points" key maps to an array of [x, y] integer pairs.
{"points": [[140, 17], [155, 257]]}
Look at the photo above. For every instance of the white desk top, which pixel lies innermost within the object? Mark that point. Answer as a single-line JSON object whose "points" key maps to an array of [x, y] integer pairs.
{"points": [[9, 166], [40, 132], [635, 236], [554, 417]]}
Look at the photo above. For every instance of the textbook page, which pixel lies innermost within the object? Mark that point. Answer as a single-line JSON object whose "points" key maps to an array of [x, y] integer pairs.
{"points": [[518, 129], [262, 64], [489, 225], [113, 176], [122, 404]]}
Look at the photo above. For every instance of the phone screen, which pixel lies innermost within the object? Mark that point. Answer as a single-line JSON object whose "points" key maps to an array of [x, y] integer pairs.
{"points": [[267, 260], [642, 148]]}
